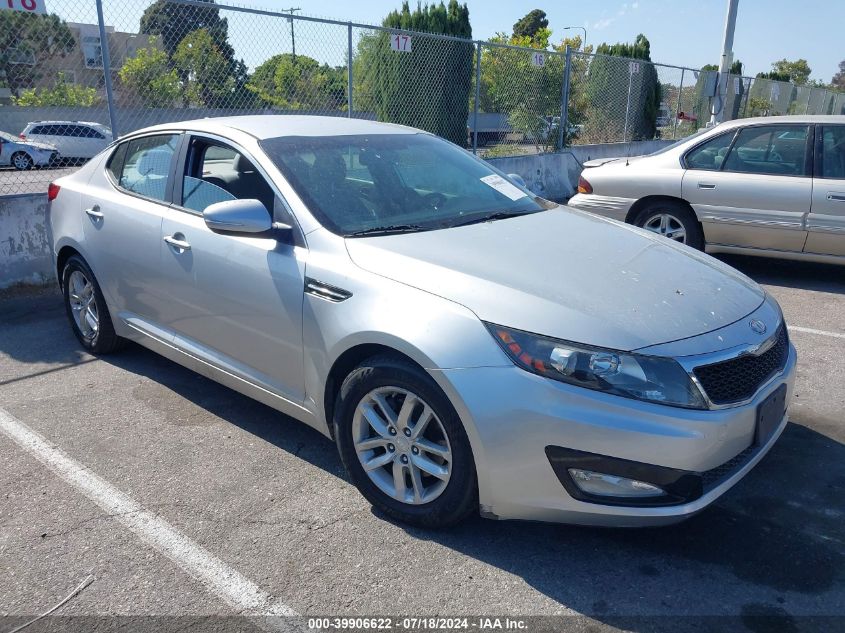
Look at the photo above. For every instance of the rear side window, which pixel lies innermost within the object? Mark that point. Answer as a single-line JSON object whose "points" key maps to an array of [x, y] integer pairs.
{"points": [[146, 166], [39, 129], [711, 154], [777, 150], [115, 165], [833, 152]]}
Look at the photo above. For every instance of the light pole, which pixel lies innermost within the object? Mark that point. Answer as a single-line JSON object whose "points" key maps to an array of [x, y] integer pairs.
{"points": [[583, 28], [718, 112], [292, 36]]}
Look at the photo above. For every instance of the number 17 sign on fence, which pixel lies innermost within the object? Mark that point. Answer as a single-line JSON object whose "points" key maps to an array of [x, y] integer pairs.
{"points": [[400, 43], [27, 6]]}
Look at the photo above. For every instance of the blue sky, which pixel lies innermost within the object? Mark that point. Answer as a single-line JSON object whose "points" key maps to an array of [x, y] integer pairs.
{"points": [[682, 32]]}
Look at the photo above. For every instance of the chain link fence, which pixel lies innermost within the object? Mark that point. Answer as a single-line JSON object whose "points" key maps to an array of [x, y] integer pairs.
{"points": [[74, 77]]}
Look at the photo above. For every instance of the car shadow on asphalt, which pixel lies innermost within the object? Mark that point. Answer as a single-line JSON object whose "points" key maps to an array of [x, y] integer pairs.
{"points": [[780, 531], [790, 274]]}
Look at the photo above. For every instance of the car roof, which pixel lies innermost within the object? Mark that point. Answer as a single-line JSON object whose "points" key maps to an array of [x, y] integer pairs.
{"points": [[263, 126], [792, 118], [91, 123]]}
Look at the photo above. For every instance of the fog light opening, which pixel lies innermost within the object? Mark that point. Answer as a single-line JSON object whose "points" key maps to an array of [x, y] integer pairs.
{"points": [[604, 485]]}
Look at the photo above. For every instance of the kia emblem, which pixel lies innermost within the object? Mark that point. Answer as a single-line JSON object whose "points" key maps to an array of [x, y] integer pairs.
{"points": [[757, 326]]}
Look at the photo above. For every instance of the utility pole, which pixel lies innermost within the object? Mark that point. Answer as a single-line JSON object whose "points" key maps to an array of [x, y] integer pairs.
{"points": [[718, 113], [292, 36]]}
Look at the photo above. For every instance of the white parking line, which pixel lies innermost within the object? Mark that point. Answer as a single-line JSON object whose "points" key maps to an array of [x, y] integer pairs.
{"points": [[236, 590], [809, 330]]}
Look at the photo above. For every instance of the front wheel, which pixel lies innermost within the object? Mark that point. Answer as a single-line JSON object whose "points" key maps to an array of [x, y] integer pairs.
{"points": [[403, 444], [21, 161], [672, 220]]}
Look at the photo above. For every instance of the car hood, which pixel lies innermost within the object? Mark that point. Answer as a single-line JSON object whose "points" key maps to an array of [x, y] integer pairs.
{"points": [[569, 275], [36, 145]]}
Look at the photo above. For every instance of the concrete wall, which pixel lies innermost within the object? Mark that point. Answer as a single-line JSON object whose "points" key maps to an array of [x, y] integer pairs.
{"points": [[555, 176], [24, 240]]}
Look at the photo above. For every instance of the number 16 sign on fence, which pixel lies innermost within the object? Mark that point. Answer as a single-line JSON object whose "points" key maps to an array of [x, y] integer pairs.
{"points": [[27, 6]]}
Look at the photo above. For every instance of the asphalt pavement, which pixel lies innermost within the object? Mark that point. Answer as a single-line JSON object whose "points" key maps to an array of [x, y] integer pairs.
{"points": [[183, 498]]}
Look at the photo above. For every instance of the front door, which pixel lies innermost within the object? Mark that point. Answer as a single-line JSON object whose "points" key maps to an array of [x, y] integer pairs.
{"points": [[753, 188], [234, 302], [826, 222]]}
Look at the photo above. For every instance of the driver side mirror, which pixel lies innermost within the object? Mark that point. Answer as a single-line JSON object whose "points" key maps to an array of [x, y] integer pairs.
{"points": [[246, 218]]}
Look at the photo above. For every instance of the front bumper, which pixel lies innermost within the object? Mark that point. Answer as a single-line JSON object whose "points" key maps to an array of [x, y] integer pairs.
{"points": [[512, 416]]}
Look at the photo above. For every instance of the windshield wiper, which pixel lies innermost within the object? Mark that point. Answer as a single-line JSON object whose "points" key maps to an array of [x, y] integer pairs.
{"points": [[388, 230], [490, 217]]}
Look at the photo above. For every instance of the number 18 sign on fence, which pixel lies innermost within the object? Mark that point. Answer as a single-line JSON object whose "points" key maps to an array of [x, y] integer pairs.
{"points": [[27, 6]]}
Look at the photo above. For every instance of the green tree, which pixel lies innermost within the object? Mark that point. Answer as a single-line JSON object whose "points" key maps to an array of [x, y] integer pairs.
{"points": [[205, 72], [798, 71], [428, 87], [61, 93], [838, 80], [27, 40], [622, 96], [299, 83], [149, 76], [173, 22], [703, 100], [530, 24]]}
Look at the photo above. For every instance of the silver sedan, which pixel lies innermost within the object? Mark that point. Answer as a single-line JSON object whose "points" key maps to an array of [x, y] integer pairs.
{"points": [[468, 346], [23, 155], [770, 186]]}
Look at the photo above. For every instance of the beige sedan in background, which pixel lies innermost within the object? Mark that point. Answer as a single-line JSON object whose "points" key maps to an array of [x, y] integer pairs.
{"points": [[770, 186]]}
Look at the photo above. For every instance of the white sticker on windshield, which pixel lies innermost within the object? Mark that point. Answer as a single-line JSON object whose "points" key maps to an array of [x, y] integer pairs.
{"points": [[503, 186]]}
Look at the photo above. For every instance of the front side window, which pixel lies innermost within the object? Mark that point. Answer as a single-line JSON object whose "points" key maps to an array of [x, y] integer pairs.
{"points": [[778, 150], [711, 154], [146, 166], [361, 183], [216, 173], [833, 152]]}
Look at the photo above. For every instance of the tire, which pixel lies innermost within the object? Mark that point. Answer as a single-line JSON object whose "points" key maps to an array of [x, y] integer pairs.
{"points": [[430, 501], [86, 308], [673, 220], [21, 161]]}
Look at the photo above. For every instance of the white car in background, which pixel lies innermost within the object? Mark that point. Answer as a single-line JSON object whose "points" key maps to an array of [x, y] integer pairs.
{"points": [[75, 140], [771, 186], [23, 155]]}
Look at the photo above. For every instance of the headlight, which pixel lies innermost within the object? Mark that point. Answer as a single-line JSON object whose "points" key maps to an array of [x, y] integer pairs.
{"points": [[650, 378]]}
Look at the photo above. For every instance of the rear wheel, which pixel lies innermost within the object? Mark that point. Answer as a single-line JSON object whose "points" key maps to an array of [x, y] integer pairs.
{"points": [[86, 308], [672, 220], [403, 444], [21, 161]]}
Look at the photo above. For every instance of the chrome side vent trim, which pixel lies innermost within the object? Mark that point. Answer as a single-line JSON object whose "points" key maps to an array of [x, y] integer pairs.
{"points": [[325, 291]]}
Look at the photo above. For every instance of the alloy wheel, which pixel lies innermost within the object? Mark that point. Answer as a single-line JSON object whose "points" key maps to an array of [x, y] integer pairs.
{"points": [[402, 445], [667, 225], [83, 303], [21, 161]]}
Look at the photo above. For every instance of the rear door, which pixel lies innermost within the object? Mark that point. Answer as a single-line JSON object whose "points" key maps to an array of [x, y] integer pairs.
{"points": [[123, 207], [826, 222], [752, 187]]}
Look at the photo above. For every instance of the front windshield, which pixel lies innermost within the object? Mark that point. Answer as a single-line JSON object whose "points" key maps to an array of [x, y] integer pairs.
{"points": [[359, 184]]}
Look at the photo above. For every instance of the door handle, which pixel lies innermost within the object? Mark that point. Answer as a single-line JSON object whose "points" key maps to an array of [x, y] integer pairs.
{"points": [[706, 185], [177, 243], [839, 197], [94, 212]]}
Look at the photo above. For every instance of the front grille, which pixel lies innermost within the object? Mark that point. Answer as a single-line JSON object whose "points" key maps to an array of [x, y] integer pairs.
{"points": [[739, 378]]}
